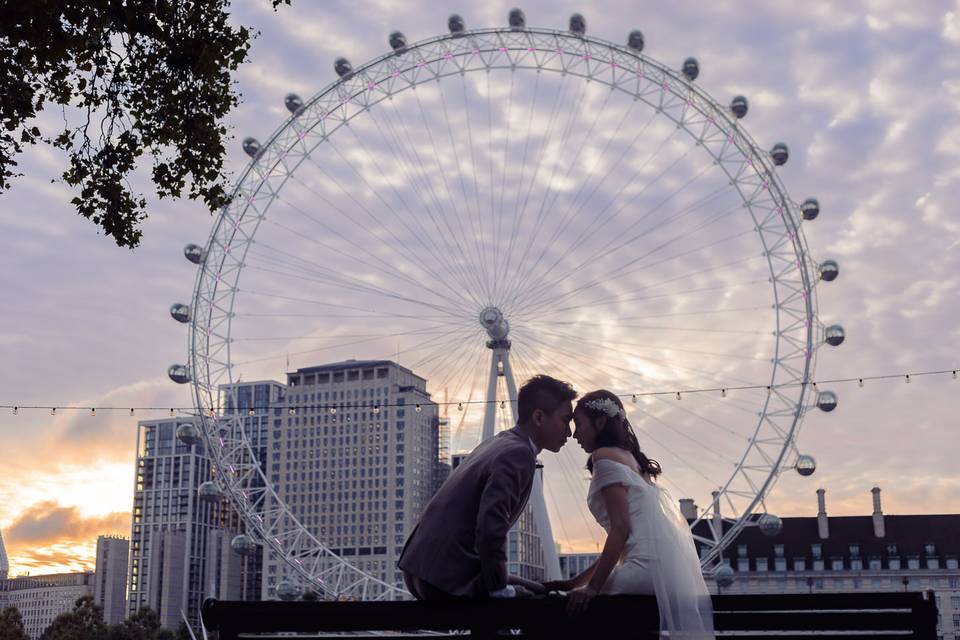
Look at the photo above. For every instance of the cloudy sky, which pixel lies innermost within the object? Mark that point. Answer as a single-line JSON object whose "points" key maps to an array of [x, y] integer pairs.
{"points": [[865, 95]]}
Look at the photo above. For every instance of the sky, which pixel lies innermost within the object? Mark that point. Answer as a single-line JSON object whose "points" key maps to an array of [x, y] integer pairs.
{"points": [[865, 94]]}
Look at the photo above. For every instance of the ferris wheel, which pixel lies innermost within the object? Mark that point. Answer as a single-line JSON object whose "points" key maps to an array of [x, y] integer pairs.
{"points": [[489, 204]]}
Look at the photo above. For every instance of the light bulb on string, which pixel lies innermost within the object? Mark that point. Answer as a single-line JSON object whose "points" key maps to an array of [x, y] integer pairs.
{"points": [[131, 411], [502, 404], [16, 410], [376, 410], [908, 378], [678, 395], [459, 406], [634, 398], [954, 374], [723, 393], [93, 411], [860, 383], [251, 412], [418, 408], [333, 410], [292, 411], [53, 411]]}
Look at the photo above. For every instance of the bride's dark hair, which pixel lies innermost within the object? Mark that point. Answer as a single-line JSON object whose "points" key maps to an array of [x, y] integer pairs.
{"points": [[615, 431]]}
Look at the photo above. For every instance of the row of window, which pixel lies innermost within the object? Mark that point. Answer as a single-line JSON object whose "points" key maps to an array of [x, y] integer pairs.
{"points": [[816, 550], [839, 564]]}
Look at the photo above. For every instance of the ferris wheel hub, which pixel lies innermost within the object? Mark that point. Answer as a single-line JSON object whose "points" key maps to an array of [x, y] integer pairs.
{"points": [[497, 326]]}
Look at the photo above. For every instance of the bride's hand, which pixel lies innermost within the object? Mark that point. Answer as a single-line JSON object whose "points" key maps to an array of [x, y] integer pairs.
{"points": [[558, 585], [579, 599]]}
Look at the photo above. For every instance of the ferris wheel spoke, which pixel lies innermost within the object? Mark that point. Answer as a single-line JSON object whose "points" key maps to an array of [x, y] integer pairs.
{"points": [[541, 154], [709, 421], [447, 317], [679, 458], [573, 162], [343, 277], [481, 248], [455, 235], [443, 350], [436, 252], [498, 216], [622, 271], [686, 436], [630, 296], [562, 228], [563, 144], [619, 242], [404, 255]]}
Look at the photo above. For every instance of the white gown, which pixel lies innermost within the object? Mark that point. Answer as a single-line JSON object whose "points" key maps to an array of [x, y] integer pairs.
{"points": [[660, 557]]}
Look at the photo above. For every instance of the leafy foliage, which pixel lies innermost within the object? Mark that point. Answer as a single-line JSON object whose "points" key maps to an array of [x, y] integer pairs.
{"points": [[145, 76], [11, 624], [85, 622]]}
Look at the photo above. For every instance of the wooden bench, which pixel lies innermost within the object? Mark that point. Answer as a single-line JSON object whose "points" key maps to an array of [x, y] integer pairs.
{"points": [[822, 616]]}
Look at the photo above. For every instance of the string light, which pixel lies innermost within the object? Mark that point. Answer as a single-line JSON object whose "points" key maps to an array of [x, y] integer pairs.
{"points": [[418, 408], [906, 377]]}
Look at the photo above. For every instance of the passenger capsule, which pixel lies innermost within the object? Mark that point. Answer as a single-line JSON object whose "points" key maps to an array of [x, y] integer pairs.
{"points": [[779, 153], [724, 576], [293, 103], [810, 209], [243, 545], [188, 434], [691, 69], [194, 253], [834, 335], [179, 373], [635, 40], [770, 525], [827, 401], [739, 106], [806, 465], [209, 491], [288, 590], [180, 313], [343, 68], [517, 20], [578, 24], [251, 147], [829, 270], [456, 24], [398, 42]]}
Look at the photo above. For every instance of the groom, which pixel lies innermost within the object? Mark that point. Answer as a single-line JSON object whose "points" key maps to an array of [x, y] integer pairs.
{"points": [[458, 549]]}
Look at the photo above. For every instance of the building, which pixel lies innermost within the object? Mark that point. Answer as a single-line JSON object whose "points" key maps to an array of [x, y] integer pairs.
{"points": [[110, 578], [573, 564], [875, 552], [355, 459], [40, 599], [4, 561], [180, 544]]}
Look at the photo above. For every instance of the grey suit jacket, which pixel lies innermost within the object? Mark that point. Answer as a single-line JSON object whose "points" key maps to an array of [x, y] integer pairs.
{"points": [[459, 545]]}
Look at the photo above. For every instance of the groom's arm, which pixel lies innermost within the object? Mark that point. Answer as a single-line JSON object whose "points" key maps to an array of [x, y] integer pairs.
{"points": [[507, 478]]}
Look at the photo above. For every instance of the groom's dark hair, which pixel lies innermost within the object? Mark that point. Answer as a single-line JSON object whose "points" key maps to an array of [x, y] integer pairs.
{"points": [[544, 393]]}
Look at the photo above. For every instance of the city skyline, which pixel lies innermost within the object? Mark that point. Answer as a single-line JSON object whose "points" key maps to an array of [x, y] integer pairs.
{"points": [[860, 93]]}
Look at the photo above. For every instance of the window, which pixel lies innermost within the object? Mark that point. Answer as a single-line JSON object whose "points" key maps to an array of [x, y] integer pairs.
{"points": [[741, 551], [761, 564], [743, 564], [778, 550], [875, 564], [913, 562], [893, 563], [780, 564], [817, 550], [930, 549], [854, 550], [892, 550]]}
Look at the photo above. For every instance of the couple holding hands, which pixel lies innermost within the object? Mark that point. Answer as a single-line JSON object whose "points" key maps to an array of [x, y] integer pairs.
{"points": [[458, 549]]}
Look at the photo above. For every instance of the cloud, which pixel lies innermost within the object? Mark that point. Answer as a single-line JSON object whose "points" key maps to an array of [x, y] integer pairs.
{"points": [[47, 522]]}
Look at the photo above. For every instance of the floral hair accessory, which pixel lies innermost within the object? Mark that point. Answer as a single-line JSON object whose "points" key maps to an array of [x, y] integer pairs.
{"points": [[607, 406]]}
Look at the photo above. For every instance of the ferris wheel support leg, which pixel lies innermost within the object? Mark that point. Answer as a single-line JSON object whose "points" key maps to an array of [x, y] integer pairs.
{"points": [[551, 560], [490, 410]]}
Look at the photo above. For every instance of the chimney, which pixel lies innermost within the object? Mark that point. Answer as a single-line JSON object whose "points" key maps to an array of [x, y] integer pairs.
{"points": [[879, 530], [688, 509], [717, 522], [823, 526]]}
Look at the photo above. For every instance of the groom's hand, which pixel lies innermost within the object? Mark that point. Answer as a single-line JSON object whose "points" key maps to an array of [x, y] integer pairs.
{"points": [[579, 599], [558, 585]]}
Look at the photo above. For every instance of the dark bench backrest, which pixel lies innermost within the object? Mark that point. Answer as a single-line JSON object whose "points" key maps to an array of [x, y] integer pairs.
{"points": [[904, 615]]}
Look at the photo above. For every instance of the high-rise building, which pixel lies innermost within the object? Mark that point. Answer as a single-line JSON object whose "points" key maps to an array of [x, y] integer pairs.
{"points": [[40, 599], [355, 459], [170, 523], [110, 578], [4, 561], [180, 545]]}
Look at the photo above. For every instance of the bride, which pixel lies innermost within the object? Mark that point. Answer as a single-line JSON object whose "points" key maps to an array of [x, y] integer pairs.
{"points": [[649, 548]]}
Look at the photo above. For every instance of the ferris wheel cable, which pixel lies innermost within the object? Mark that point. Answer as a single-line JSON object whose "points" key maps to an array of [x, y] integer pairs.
{"points": [[629, 296], [683, 434], [471, 218], [399, 242], [338, 345], [573, 161], [565, 221], [460, 376], [563, 144], [523, 167], [356, 287], [446, 316], [386, 269], [681, 459], [503, 179], [413, 216], [618, 240], [438, 329], [619, 272], [442, 350], [455, 210], [551, 122]]}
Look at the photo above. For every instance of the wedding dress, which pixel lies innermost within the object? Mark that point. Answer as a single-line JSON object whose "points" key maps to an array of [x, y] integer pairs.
{"points": [[660, 557]]}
